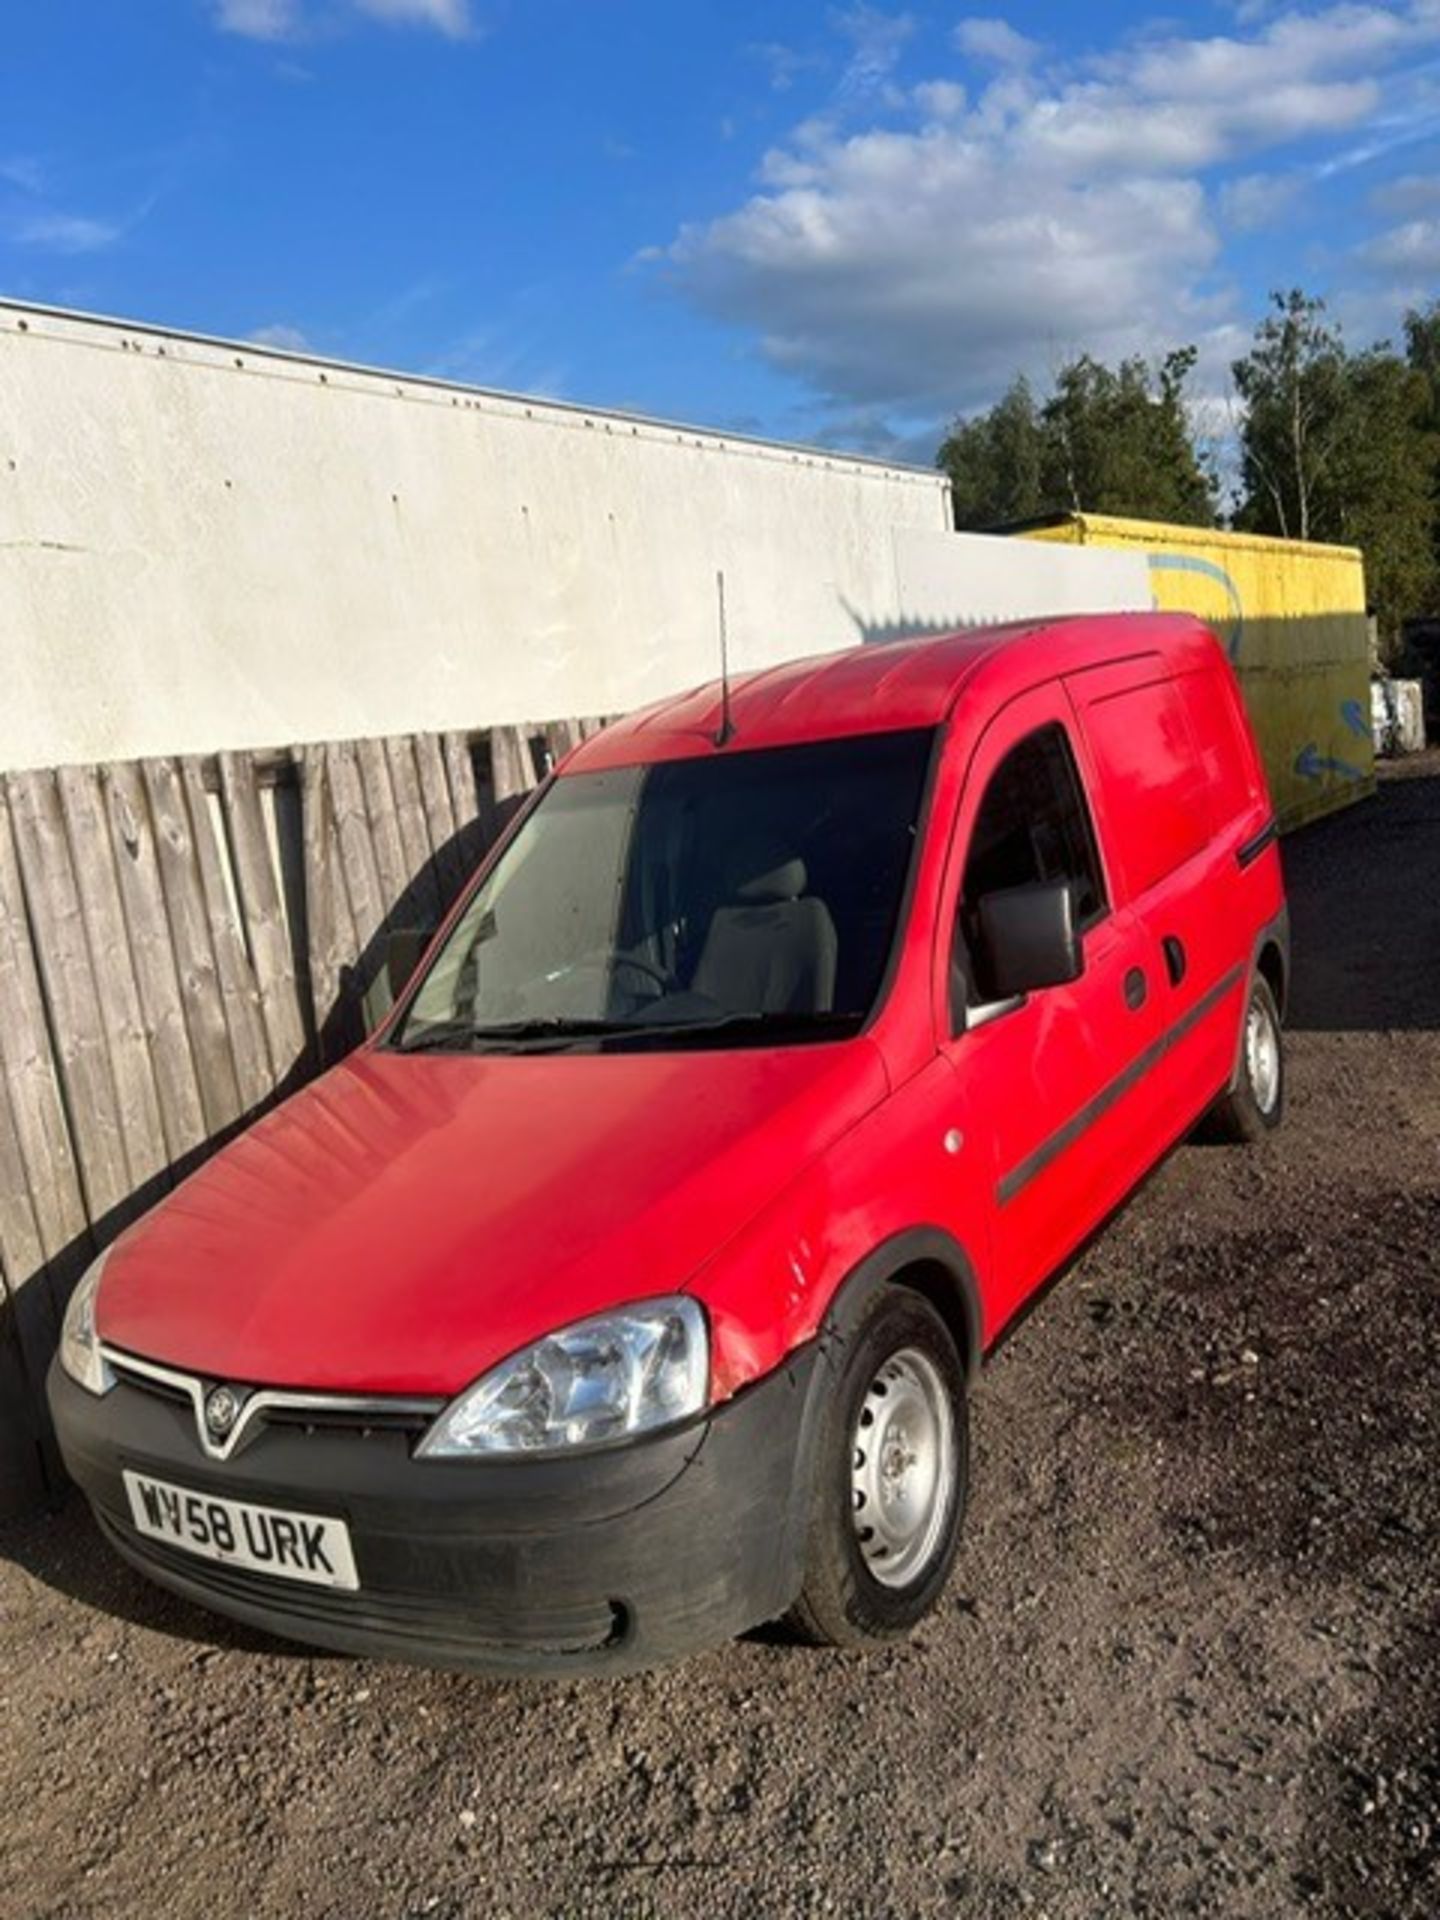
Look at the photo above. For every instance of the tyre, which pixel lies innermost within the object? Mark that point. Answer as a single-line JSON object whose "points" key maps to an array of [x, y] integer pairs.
{"points": [[890, 1473], [1254, 1105]]}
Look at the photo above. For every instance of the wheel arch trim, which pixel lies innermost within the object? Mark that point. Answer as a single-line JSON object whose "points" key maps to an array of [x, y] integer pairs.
{"points": [[925, 1254], [1273, 938]]}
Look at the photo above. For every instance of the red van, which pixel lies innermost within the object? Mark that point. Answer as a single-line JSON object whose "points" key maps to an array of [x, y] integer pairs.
{"points": [[626, 1290]]}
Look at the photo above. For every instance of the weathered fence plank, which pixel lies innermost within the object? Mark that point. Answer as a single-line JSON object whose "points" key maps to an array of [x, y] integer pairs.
{"points": [[512, 768], [323, 938], [71, 991], [440, 820], [185, 909], [560, 737], [29, 1324], [393, 869], [474, 827], [142, 1132], [152, 952], [414, 832], [263, 914], [239, 991], [358, 863], [33, 1099]]}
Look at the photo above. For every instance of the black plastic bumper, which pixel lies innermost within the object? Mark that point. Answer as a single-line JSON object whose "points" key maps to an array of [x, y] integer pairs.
{"points": [[613, 1560]]}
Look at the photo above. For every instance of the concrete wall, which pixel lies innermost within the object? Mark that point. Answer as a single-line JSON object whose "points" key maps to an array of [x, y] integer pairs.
{"points": [[206, 546]]}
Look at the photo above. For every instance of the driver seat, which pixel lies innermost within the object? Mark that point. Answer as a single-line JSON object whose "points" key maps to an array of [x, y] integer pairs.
{"points": [[773, 948]]}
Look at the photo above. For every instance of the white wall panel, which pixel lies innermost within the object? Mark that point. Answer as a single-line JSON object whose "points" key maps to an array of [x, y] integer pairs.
{"points": [[208, 546]]}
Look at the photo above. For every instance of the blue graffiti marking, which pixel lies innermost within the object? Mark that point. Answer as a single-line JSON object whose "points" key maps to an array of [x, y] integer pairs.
{"points": [[1192, 563], [1355, 718], [1311, 764]]}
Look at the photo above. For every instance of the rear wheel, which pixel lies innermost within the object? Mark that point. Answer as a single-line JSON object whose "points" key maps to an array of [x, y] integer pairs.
{"points": [[890, 1478], [1255, 1104]]}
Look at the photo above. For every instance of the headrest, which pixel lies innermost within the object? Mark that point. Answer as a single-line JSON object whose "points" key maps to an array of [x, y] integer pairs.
{"points": [[784, 880]]}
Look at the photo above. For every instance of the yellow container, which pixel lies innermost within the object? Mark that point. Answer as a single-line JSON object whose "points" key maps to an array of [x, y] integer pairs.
{"points": [[1291, 616]]}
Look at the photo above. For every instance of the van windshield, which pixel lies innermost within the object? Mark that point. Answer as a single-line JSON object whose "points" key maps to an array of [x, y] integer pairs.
{"points": [[743, 898]]}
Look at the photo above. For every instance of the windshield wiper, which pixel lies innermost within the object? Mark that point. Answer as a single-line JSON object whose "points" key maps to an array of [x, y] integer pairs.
{"points": [[461, 1036], [772, 1025]]}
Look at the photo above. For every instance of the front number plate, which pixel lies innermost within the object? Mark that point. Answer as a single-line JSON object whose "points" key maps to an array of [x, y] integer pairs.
{"points": [[291, 1546]]}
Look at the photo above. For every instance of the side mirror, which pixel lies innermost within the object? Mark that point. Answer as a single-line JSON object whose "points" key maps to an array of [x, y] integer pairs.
{"points": [[1028, 938], [403, 949]]}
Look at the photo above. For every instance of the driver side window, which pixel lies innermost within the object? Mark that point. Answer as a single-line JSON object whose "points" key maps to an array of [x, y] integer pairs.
{"points": [[1033, 825]]}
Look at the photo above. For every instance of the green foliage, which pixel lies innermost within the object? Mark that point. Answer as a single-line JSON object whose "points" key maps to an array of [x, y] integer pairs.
{"points": [[996, 462], [1108, 440], [1422, 351], [1380, 492], [1343, 447], [1291, 385], [1332, 445]]}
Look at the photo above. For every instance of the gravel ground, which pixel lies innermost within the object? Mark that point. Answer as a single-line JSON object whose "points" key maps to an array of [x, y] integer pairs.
{"points": [[1188, 1664]]}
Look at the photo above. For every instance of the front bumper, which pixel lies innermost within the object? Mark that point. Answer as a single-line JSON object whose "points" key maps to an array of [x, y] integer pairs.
{"points": [[614, 1560]]}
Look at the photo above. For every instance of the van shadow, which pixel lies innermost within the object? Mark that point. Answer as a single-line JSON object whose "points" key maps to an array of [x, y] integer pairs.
{"points": [[1364, 888], [64, 1551]]}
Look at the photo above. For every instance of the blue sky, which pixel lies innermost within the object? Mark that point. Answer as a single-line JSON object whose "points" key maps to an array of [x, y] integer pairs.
{"points": [[841, 223]]}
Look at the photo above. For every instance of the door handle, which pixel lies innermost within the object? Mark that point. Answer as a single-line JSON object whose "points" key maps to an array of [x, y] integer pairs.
{"points": [[1135, 989], [1175, 961]]}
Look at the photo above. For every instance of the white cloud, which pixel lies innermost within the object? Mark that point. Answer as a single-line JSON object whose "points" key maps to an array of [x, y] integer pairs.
{"points": [[877, 41], [288, 339], [1413, 248], [941, 99], [68, 233], [1254, 201], [289, 19], [783, 65], [1411, 193], [23, 171], [259, 19], [995, 41], [901, 270], [446, 16]]}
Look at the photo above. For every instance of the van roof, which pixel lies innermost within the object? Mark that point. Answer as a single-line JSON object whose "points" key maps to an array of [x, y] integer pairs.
{"points": [[889, 685]]}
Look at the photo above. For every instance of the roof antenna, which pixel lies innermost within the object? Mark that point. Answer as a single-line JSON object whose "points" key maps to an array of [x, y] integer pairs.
{"points": [[725, 732]]}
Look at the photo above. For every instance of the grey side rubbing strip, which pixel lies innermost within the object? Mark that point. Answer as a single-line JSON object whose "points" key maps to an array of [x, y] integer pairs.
{"points": [[1252, 849], [1035, 1163]]}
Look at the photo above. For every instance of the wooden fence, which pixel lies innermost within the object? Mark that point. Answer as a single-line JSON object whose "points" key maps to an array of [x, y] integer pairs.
{"points": [[182, 942]]}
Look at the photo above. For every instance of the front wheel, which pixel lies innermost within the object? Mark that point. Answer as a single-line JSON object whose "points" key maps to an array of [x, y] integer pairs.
{"points": [[890, 1477], [1254, 1105]]}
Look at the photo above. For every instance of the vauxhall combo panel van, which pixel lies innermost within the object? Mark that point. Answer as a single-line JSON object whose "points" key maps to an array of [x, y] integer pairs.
{"points": [[626, 1290]]}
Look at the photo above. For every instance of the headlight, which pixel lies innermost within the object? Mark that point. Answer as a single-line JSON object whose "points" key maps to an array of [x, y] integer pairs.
{"points": [[79, 1342], [610, 1378]]}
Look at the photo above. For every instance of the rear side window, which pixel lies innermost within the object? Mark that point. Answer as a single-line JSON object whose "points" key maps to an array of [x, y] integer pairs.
{"points": [[1033, 825], [1158, 793]]}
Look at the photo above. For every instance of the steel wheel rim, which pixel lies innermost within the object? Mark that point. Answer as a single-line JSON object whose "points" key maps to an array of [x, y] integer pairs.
{"points": [[902, 1467], [1262, 1055]]}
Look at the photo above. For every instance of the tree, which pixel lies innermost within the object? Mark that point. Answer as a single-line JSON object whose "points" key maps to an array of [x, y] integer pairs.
{"points": [[1422, 350], [1291, 386], [1380, 489], [1108, 440], [994, 462], [1343, 447], [1119, 441]]}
